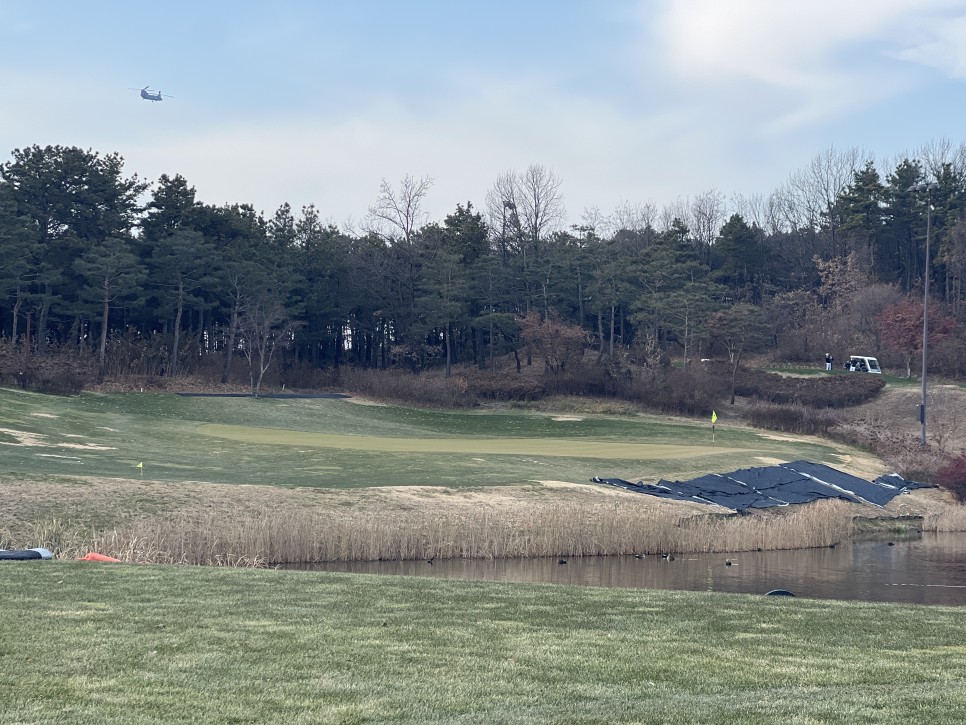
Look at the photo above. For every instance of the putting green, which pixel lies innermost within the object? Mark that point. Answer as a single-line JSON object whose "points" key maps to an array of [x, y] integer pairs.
{"points": [[570, 448]]}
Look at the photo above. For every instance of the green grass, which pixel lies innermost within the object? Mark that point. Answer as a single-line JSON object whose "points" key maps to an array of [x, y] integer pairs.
{"points": [[126, 644], [336, 443], [900, 381]]}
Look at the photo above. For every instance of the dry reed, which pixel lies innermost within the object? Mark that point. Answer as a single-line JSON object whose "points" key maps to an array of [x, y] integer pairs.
{"points": [[471, 532], [949, 518]]}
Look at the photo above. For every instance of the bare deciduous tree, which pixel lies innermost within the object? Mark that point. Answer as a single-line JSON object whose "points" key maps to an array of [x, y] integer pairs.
{"points": [[676, 210], [810, 193], [939, 153], [398, 213], [528, 206], [625, 217], [540, 204], [265, 325]]}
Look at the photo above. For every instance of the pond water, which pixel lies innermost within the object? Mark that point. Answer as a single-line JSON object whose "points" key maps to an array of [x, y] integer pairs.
{"points": [[929, 569]]}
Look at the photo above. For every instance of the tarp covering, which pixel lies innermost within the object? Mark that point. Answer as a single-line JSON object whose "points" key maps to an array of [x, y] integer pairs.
{"points": [[25, 554], [766, 486]]}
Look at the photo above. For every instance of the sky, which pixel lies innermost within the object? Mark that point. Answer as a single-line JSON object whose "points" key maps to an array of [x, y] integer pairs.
{"points": [[625, 101]]}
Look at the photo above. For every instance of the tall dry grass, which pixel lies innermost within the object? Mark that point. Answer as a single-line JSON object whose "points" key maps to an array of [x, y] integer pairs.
{"points": [[949, 518], [544, 530]]}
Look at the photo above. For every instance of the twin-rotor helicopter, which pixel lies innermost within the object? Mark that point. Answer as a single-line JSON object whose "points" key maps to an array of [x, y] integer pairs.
{"points": [[148, 95]]}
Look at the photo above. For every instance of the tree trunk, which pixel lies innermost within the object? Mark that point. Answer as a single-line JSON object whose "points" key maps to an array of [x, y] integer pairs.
{"points": [[687, 332], [489, 341], [102, 351], [16, 314], [449, 350], [613, 315], [262, 367], [734, 375], [232, 334], [600, 335], [41, 335], [173, 370]]}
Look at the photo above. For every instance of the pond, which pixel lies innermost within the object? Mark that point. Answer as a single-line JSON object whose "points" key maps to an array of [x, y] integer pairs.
{"points": [[928, 569]]}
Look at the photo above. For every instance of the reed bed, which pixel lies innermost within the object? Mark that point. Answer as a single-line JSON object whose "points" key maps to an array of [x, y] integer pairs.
{"points": [[949, 518], [290, 537]]}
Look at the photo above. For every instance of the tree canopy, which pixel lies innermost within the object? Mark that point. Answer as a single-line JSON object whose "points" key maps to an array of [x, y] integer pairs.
{"points": [[150, 279]]}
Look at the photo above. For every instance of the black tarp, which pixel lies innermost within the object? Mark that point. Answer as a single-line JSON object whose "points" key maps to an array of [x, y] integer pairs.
{"points": [[20, 555], [766, 486], [894, 480]]}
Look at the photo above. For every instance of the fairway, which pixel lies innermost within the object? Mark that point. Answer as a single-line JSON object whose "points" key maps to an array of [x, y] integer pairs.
{"points": [[501, 446], [341, 444]]}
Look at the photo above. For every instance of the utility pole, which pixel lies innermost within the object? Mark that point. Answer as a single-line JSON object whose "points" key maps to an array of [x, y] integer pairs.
{"points": [[925, 304]]}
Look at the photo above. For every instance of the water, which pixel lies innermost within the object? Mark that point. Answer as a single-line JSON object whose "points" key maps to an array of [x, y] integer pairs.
{"points": [[930, 569]]}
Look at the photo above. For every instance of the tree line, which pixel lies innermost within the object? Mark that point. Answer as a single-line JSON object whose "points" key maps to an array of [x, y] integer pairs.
{"points": [[149, 280]]}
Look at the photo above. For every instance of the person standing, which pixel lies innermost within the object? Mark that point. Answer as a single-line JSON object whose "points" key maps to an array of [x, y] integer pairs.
{"points": [[828, 361]]}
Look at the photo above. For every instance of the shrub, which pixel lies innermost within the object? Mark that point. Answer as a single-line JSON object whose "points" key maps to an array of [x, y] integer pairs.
{"points": [[679, 392], [503, 385], [405, 387], [59, 371], [793, 418], [835, 391], [953, 477], [915, 463]]}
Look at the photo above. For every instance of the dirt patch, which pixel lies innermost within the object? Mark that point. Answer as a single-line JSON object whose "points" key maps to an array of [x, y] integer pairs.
{"points": [[106, 500], [780, 437], [895, 412], [23, 438], [766, 461], [366, 401]]}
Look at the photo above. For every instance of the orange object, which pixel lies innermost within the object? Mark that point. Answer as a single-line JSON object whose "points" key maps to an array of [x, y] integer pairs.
{"points": [[94, 556]]}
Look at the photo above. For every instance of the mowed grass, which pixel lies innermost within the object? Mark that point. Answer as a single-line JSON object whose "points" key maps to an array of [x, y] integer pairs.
{"points": [[151, 644], [338, 443]]}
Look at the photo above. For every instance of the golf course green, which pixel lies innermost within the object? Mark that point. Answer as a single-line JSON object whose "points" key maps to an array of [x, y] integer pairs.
{"points": [[339, 443]]}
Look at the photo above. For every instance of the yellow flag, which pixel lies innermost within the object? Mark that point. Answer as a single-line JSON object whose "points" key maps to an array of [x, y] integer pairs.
{"points": [[140, 465], [714, 417]]}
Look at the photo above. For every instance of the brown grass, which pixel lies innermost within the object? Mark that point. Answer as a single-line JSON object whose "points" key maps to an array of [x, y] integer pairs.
{"points": [[894, 414], [257, 526]]}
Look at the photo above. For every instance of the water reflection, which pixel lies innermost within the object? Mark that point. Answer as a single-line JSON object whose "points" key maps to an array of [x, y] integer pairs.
{"points": [[928, 570]]}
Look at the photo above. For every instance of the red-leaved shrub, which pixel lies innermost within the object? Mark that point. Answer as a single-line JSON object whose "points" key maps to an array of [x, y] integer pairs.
{"points": [[953, 477]]}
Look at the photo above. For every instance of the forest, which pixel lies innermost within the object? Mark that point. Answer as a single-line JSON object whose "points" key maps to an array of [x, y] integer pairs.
{"points": [[140, 278]]}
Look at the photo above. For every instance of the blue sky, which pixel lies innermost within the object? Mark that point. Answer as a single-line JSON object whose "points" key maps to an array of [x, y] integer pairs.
{"points": [[626, 101]]}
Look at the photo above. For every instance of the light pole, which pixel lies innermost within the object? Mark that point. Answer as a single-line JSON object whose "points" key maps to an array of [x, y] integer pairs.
{"points": [[925, 303]]}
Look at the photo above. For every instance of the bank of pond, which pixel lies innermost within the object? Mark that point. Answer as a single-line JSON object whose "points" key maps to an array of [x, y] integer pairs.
{"points": [[927, 568]]}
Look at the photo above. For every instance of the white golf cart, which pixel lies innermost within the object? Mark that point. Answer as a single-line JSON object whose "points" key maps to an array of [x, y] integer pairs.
{"points": [[862, 364]]}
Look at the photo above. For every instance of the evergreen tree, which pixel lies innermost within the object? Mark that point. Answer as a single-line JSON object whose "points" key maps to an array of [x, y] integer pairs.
{"points": [[739, 260], [112, 272]]}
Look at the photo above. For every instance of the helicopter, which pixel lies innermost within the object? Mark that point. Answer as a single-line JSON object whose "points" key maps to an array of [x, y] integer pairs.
{"points": [[147, 95]]}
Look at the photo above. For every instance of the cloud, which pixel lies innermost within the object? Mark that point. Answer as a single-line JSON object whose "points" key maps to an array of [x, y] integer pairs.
{"points": [[803, 62], [942, 48], [735, 95], [605, 151], [463, 143]]}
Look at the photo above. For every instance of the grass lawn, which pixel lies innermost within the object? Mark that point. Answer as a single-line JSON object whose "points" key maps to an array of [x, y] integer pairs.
{"points": [[337, 443], [128, 644]]}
